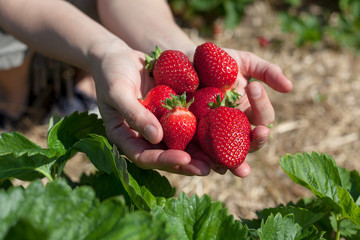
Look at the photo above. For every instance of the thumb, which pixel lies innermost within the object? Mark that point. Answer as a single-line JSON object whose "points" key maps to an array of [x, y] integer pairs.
{"points": [[137, 116]]}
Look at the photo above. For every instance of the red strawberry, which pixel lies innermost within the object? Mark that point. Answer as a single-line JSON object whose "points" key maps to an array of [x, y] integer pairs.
{"points": [[215, 67], [210, 97], [224, 135], [203, 98], [174, 69], [155, 98], [179, 124]]}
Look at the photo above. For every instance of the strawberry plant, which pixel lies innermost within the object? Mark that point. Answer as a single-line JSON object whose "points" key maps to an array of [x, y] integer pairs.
{"points": [[336, 20], [122, 201], [202, 14]]}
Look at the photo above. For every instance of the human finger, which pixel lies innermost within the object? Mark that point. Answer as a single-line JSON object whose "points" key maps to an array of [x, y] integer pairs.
{"points": [[242, 171], [260, 110], [252, 66], [259, 136]]}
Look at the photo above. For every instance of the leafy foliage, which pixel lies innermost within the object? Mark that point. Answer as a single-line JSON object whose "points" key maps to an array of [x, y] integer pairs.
{"points": [[315, 21], [203, 14], [336, 22], [122, 201]]}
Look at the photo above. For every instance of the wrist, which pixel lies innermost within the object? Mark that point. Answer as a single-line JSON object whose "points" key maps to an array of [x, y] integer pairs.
{"points": [[100, 48]]}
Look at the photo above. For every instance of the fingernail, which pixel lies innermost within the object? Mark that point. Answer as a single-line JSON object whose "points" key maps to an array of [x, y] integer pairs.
{"points": [[261, 140], [150, 132], [255, 91]]}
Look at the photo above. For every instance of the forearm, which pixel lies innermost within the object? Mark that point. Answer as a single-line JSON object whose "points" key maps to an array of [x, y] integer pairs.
{"points": [[142, 24], [54, 28]]}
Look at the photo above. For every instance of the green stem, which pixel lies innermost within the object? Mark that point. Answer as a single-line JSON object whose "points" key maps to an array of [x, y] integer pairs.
{"points": [[46, 174], [338, 233]]}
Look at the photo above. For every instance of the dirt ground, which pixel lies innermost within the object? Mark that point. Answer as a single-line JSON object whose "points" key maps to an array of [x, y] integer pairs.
{"points": [[320, 114]]}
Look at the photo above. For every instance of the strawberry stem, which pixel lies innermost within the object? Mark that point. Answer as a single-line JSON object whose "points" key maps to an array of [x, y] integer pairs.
{"points": [[177, 101], [228, 101], [150, 59]]}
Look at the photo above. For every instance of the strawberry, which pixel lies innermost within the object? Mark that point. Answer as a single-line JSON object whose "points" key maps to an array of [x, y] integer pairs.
{"points": [[174, 69], [215, 67], [179, 124], [224, 135], [203, 98], [154, 99], [210, 97]]}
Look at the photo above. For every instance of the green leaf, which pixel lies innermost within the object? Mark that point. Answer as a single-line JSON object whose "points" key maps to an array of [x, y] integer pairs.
{"points": [[15, 142], [99, 151], [350, 210], [278, 227], [105, 186], [71, 129], [146, 188], [348, 229], [317, 172], [5, 184], [204, 5], [23, 159], [302, 216], [200, 218], [141, 196], [350, 180], [232, 17], [57, 212]]}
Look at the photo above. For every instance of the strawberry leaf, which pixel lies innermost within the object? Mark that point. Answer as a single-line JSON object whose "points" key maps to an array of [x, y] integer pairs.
{"points": [[23, 159], [146, 188], [302, 216], [317, 172], [57, 212], [350, 180], [278, 227], [70, 129], [200, 218]]}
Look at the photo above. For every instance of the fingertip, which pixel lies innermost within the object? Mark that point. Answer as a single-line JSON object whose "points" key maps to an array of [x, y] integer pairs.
{"points": [[286, 85], [260, 135], [152, 133], [172, 158], [242, 171]]}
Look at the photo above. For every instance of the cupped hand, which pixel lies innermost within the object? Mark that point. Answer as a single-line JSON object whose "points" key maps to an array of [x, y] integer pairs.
{"points": [[121, 79]]}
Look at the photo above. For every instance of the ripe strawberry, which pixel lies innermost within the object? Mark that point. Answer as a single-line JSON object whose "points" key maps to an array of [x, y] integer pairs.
{"points": [[210, 97], [215, 67], [203, 98], [174, 69], [154, 99], [179, 124], [224, 135]]}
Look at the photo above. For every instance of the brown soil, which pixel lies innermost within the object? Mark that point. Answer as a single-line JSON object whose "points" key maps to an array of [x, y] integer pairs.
{"points": [[320, 114]]}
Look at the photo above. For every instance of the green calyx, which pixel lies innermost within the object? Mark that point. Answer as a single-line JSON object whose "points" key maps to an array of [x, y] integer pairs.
{"points": [[177, 101], [150, 59], [229, 100]]}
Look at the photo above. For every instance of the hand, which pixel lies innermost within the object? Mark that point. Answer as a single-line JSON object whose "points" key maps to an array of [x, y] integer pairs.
{"points": [[121, 78]]}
